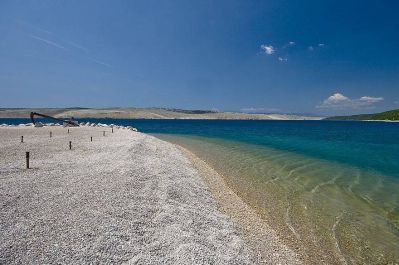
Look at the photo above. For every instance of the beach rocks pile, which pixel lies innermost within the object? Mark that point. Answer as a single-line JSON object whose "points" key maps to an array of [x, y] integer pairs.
{"points": [[39, 125], [13, 125]]}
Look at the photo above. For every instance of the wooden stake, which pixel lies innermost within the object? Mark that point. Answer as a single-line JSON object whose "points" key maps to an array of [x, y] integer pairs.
{"points": [[103, 133], [70, 145], [27, 160], [22, 139], [51, 134], [68, 130], [91, 138], [112, 129]]}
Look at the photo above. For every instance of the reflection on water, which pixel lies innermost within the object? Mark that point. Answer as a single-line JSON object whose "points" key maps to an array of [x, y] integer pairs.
{"points": [[333, 211]]}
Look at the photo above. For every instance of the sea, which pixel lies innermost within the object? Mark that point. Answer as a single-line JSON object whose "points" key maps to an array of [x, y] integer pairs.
{"points": [[329, 188]]}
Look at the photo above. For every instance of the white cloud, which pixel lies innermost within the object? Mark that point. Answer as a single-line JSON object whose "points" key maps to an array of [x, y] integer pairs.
{"points": [[321, 45], [291, 43], [310, 48], [337, 98], [339, 101], [370, 100], [268, 49], [281, 59]]}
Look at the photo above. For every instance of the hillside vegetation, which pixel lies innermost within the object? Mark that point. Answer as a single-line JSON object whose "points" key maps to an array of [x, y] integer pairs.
{"points": [[392, 115]]}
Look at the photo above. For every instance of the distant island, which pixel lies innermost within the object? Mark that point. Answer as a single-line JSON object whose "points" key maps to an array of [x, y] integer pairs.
{"points": [[392, 115], [147, 113], [171, 113]]}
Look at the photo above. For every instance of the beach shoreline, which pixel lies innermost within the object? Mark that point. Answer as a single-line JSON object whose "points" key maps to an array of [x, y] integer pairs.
{"points": [[126, 197], [263, 240], [249, 214]]}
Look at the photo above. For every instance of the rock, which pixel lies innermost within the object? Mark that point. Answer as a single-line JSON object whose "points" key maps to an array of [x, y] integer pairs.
{"points": [[38, 124]]}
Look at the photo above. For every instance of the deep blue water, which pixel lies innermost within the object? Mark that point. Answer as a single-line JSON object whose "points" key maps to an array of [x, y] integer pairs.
{"points": [[367, 145], [370, 145]]}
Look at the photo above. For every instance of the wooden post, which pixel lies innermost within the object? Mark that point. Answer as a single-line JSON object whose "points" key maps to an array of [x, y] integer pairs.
{"points": [[91, 138], [70, 145], [103, 133], [112, 129], [27, 159], [51, 134], [68, 130], [22, 139]]}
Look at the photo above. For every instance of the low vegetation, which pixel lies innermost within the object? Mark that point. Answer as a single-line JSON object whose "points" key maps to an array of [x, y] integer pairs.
{"points": [[392, 115]]}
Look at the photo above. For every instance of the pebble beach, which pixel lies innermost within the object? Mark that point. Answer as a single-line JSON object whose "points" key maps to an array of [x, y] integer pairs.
{"points": [[115, 196]]}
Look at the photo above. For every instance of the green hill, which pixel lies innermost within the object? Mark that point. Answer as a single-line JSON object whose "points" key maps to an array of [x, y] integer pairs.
{"points": [[392, 115]]}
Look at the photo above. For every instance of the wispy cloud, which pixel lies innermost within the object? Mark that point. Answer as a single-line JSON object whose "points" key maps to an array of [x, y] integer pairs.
{"points": [[289, 44], [312, 48], [78, 46], [49, 42], [339, 101], [268, 49], [100, 62], [61, 44], [30, 26], [284, 51]]}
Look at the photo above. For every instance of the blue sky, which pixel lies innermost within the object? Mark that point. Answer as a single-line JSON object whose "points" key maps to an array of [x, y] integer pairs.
{"points": [[318, 57]]}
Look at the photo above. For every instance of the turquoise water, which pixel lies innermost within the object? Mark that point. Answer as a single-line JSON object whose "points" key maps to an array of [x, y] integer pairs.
{"points": [[330, 189], [368, 145]]}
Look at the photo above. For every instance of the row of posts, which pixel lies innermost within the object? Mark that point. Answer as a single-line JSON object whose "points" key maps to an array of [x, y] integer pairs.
{"points": [[27, 155]]}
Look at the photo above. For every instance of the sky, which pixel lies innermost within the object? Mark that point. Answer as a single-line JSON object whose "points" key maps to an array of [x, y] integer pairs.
{"points": [[308, 57]]}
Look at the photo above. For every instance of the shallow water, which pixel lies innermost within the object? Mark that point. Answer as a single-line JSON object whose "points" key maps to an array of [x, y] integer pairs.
{"points": [[329, 188], [332, 211]]}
